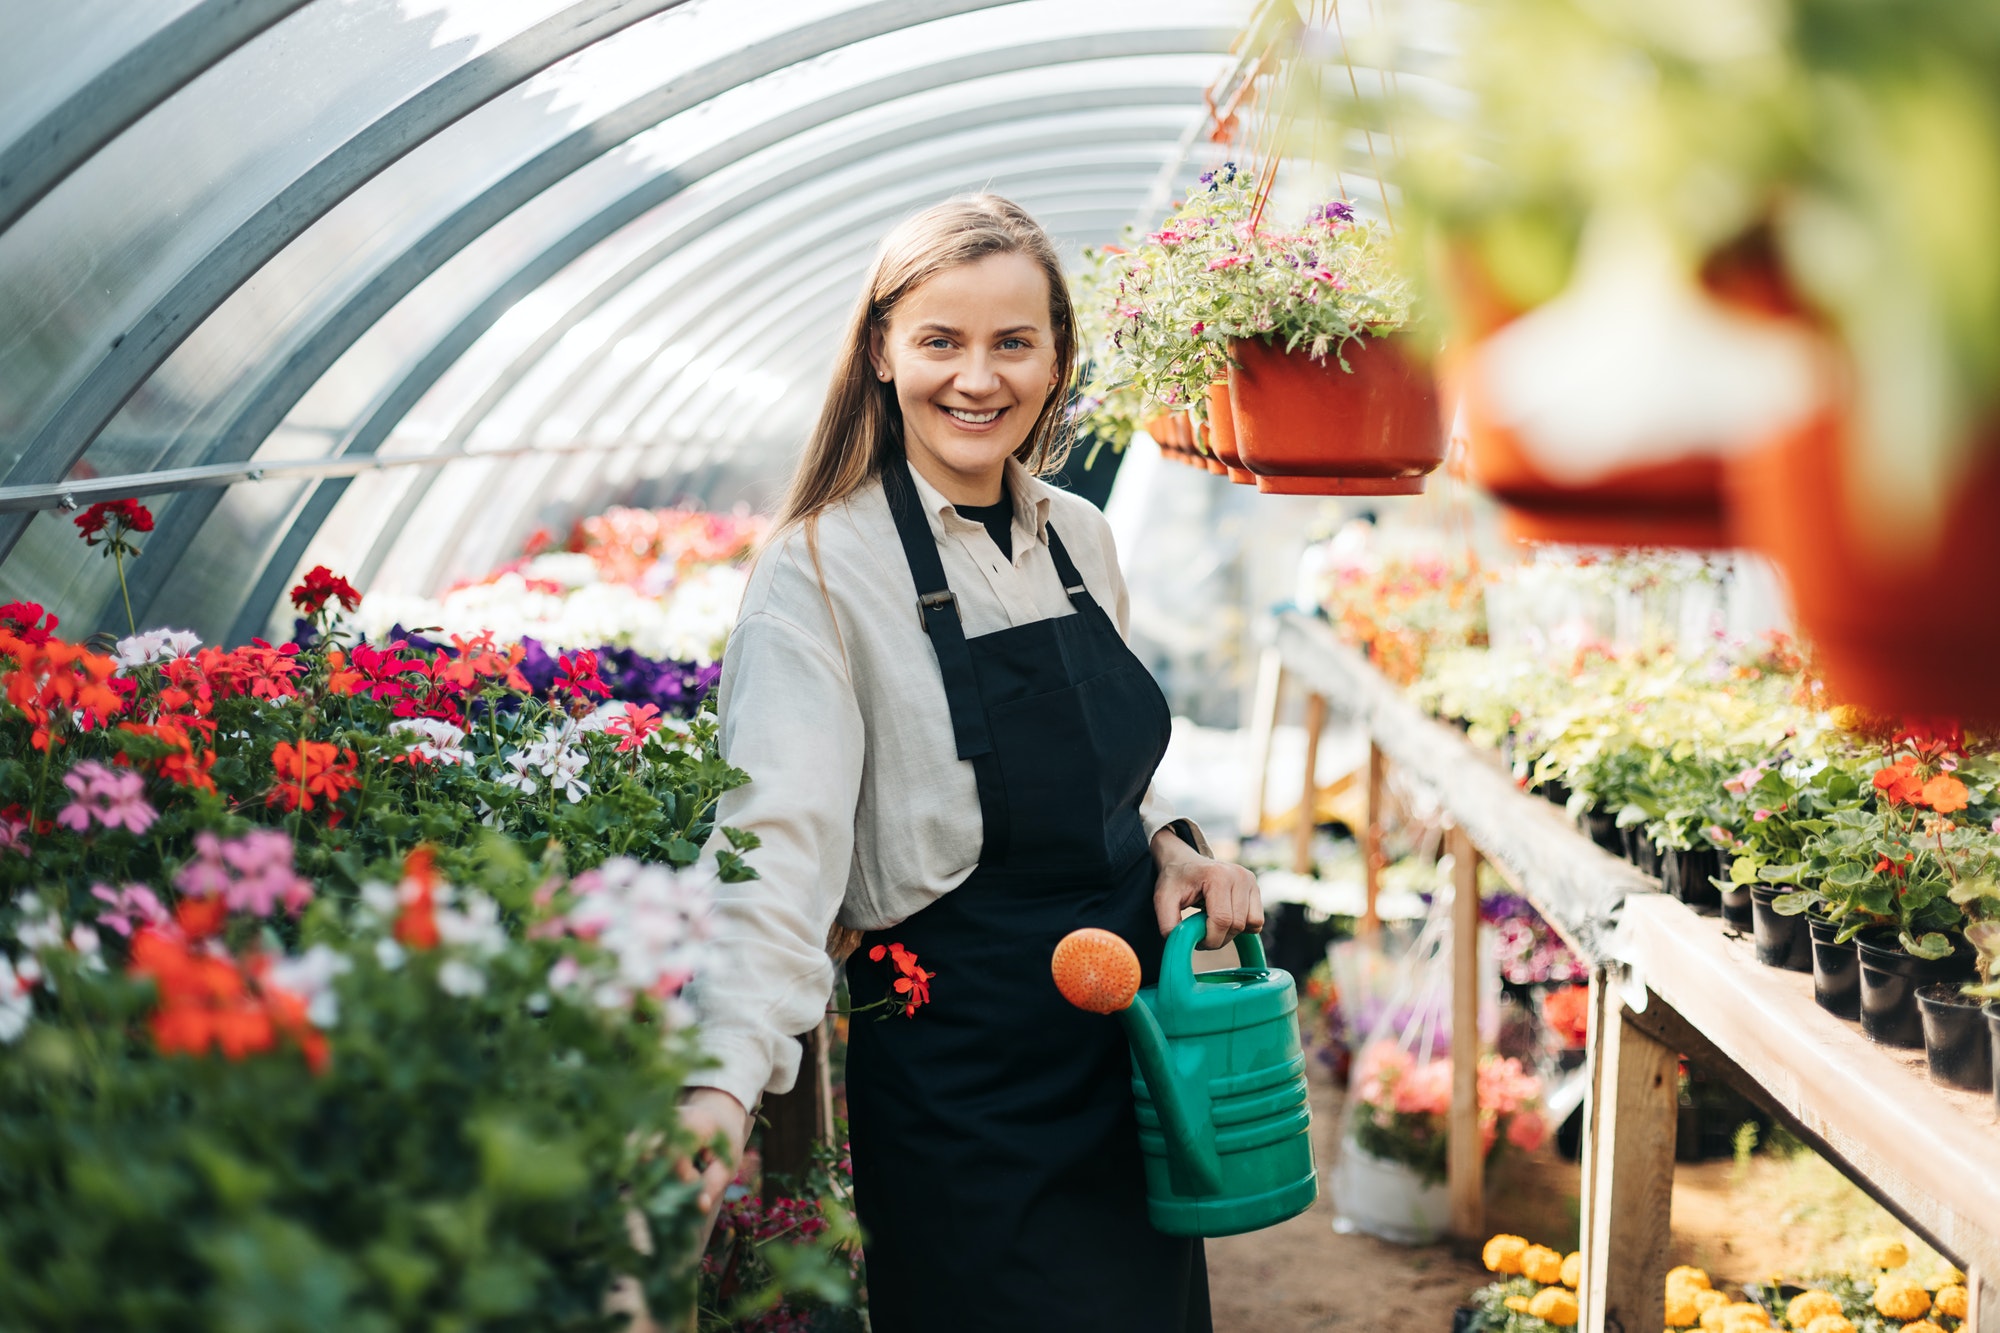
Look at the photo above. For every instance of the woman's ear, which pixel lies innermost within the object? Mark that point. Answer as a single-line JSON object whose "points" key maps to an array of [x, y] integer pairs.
{"points": [[876, 359]]}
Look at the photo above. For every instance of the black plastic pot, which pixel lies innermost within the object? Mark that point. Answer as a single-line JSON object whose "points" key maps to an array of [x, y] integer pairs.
{"points": [[1836, 969], [1685, 875], [1737, 908], [1781, 940], [1993, 1042], [1602, 826], [1890, 980], [1955, 1039], [1639, 850]]}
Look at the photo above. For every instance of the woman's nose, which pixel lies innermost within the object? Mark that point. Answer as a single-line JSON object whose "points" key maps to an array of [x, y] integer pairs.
{"points": [[977, 375]]}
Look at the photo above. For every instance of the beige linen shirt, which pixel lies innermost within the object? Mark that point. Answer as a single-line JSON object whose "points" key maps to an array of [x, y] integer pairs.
{"points": [[831, 701]]}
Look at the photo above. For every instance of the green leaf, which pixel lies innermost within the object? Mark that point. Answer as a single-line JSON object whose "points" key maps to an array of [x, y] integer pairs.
{"points": [[1793, 904], [742, 839], [1932, 946]]}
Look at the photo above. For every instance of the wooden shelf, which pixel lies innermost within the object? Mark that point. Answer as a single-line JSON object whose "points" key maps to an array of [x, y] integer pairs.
{"points": [[1575, 884], [1667, 981], [1930, 1152]]}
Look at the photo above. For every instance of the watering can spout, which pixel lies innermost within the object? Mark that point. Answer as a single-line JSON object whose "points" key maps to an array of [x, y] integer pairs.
{"points": [[1190, 1135], [1096, 970]]}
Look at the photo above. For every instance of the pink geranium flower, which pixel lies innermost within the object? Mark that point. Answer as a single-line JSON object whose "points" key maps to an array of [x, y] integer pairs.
{"points": [[251, 874], [111, 797], [634, 726], [129, 908]]}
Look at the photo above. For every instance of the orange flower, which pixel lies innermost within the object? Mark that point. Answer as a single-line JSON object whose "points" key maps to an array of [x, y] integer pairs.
{"points": [[1898, 782], [208, 1002], [310, 771], [416, 924], [54, 679], [913, 983], [183, 765], [1944, 794]]}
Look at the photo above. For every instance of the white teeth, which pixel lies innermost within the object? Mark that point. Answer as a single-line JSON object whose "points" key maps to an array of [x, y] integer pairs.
{"points": [[973, 418]]}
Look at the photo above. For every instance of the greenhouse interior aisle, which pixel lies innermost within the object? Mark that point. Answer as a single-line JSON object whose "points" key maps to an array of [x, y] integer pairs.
{"points": [[1345, 643]]}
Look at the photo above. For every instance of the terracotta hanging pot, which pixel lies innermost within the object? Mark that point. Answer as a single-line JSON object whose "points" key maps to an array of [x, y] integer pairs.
{"points": [[1678, 503], [1664, 504], [1222, 434], [1307, 427], [1900, 623]]}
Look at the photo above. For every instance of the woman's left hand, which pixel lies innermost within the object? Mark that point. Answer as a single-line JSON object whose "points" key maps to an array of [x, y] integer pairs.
{"points": [[1224, 890]]}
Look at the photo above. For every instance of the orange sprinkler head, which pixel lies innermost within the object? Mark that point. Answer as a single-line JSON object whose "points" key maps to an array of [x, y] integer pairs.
{"points": [[1096, 970]]}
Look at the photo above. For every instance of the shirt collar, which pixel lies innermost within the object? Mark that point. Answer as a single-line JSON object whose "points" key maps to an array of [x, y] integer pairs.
{"points": [[1031, 504]]}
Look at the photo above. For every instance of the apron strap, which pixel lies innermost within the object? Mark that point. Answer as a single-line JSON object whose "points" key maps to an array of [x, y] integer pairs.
{"points": [[1079, 596], [937, 610]]}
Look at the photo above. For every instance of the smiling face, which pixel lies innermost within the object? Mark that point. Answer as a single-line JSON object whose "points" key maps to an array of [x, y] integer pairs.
{"points": [[973, 359]]}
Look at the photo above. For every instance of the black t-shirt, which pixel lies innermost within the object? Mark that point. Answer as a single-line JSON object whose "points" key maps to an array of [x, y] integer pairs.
{"points": [[999, 520]]}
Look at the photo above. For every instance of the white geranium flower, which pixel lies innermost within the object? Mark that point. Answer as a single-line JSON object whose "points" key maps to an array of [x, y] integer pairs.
{"points": [[310, 976], [439, 741], [17, 1003], [389, 954], [155, 645], [460, 978]]}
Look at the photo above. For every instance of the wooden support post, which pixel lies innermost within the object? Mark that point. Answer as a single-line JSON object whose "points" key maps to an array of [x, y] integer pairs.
{"points": [[1371, 842], [1628, 1172], [1263, 725], [1465, 1164], [1302, 832], [794, 1121], [1984, 1316]]}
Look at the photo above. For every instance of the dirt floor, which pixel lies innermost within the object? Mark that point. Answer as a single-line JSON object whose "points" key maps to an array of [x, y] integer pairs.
{"points": [[1743, 1221]]}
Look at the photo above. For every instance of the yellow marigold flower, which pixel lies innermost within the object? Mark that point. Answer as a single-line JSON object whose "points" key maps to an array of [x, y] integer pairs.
{"points": [[1542, 1264], [1811, 1305], [1555, 1304], [1922, 1326], [1705, 1301], [1745, 1317], [1503, 1254], [1884, 1252], [1830, 1323], [1572, 1273], [1900, 1298], [1518, 1304], [1952, 1299], [1681, 1311], [1692, 1278]]}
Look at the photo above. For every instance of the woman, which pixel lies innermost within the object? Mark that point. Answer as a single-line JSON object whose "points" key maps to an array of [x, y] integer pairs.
{"points": [[950, 749]]}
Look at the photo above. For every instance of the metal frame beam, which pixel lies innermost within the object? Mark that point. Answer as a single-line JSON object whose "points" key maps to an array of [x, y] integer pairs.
{"points": [[123, 92]]}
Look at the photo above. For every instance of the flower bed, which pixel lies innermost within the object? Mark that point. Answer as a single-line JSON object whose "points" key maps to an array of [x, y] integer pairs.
{"points": [[339, 977]]}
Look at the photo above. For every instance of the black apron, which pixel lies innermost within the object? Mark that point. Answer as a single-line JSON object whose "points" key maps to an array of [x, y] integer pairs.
{"points": [[996, 1155]]}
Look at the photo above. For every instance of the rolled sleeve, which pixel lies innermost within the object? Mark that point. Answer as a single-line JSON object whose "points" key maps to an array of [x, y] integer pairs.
{"points": [[790, 720]]}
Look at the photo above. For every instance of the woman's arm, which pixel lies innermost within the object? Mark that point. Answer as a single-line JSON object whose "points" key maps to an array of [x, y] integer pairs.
{"points": [[790, 721]]}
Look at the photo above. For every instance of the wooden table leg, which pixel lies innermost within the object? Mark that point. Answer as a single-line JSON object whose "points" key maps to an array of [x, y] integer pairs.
{"points": [[1371, 842], [1302, 832], [1629, 1171], [1465, 1163], [1263, 725]]}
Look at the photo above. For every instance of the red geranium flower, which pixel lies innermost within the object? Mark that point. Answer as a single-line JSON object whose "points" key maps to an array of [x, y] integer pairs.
{"points": [[1899, 783], [576, 673], [320, 586], [26, 619], [120, 516], [311, 771], [913, 983], [416, 923]]}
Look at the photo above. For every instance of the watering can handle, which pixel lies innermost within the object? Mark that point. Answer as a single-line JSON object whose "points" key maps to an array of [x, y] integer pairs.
{"points": [[1177, 960]]}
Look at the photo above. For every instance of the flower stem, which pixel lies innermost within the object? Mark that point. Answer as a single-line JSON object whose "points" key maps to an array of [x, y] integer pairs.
{"points": [[118, 559]]}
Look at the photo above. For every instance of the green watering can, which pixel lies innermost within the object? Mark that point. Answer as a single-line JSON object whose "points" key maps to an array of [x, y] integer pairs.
{"points": [[1219, 1078]]}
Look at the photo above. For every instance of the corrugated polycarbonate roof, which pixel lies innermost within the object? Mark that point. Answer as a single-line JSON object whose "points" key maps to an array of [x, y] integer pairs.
{"points": [[282, 260]]}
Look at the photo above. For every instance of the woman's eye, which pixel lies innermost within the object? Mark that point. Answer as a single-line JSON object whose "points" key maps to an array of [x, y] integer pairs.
{"points": [[1014, 344], [938, 344]]}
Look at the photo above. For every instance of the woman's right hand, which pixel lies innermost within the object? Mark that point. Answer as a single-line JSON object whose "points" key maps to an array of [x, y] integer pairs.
{"points": [[709, 1114]]}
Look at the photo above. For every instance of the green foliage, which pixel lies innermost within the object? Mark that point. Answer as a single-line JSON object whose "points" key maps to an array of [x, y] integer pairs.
{"points": [[480, 1158]]}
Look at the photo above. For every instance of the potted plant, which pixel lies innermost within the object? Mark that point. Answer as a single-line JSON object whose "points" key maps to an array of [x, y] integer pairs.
{"points": [[1962, 1023], [1778, 186], [1323, 398], [1889, 872]]}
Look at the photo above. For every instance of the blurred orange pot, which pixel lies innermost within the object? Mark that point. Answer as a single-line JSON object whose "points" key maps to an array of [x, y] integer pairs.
{"points": [[1307, 427], [1222, 434], [1904, 626]]}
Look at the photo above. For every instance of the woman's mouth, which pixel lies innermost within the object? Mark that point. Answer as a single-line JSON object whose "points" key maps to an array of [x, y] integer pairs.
{"points": [[967, 417]]}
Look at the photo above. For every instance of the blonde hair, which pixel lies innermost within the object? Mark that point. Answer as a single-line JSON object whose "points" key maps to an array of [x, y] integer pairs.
{"points": [[861, 424]]}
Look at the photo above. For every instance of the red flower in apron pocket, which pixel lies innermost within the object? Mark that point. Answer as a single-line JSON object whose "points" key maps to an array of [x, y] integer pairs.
{"points": [[912, 982]]}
